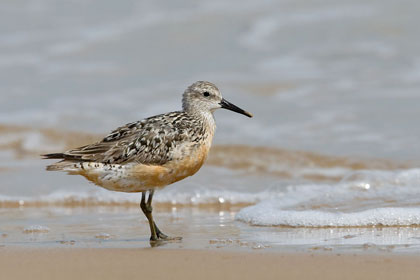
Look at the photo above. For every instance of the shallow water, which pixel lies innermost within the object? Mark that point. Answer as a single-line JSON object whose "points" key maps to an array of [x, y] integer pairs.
{"points": [[334, 87], [201, 228]]}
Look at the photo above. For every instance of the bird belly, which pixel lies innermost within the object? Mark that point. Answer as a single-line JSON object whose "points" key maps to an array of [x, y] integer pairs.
{"points": [[141, 177], [160, 176]]}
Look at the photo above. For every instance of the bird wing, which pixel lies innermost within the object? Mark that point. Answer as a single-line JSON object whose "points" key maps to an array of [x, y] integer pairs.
{"points": [[149, 141]]}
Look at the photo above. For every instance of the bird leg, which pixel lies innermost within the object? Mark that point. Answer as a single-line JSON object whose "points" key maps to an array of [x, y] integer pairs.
{"points": [[147, 209]]}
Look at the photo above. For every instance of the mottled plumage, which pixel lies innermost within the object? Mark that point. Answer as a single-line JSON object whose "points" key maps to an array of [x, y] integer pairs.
{"points": [[151, 153], [149, 141]]}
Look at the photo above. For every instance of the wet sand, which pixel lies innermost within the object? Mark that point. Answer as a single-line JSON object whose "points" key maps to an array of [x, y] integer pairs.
{"points": [[202, 228], [189, 264], [112, 243]]}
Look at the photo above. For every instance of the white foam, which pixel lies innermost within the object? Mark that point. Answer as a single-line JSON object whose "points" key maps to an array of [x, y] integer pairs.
{"points": [[174, 196], [269, 215], [368, 198]]}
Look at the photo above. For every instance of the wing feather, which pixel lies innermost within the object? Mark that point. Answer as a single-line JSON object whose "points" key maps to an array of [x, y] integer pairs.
{"points": [[150, 141]]}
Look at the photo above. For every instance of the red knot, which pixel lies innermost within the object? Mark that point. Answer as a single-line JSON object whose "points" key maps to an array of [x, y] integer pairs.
{"points": [[152, 153]]}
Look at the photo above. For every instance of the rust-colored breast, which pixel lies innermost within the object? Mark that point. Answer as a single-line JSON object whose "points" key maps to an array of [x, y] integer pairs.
{"points": [[173, 171]]}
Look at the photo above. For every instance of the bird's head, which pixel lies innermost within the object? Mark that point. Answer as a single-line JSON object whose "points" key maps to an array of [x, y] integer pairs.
{"points": [[205, 96]]}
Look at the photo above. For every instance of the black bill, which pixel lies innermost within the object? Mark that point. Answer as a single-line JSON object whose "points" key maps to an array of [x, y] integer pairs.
{"points": [[227, 105]]}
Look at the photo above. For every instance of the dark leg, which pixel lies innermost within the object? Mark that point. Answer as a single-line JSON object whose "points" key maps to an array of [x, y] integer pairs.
{"points": [[147, 209], [159, 234], [148, 213]]}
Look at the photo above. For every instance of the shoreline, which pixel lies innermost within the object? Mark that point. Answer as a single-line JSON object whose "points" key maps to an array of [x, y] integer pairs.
{"points": [[156, 263], [202, 229]]}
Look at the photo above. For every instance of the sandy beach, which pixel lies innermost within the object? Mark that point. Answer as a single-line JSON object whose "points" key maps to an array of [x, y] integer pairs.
{"points": [[18, 263]]}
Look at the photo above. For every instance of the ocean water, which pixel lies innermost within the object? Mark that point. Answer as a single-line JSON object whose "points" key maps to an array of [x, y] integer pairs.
{"points": [[334, 87]]}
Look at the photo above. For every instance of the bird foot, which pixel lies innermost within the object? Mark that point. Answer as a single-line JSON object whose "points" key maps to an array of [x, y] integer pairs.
{"points": [[164, 237]]}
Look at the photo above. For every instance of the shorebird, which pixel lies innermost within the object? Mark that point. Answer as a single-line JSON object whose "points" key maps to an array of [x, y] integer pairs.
{"points": [[152, 153]]}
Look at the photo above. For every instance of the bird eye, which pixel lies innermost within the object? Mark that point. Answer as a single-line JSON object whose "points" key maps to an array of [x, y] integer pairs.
{"points": [[206, 94]]}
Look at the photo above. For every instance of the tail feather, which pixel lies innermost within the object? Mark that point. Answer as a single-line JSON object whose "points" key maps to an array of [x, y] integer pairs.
{"points": [[63, 166], [53, 156]]}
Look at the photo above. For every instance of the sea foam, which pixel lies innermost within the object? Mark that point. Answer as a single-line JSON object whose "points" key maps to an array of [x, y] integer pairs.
{"points": [[368, 198], [174, 197], [267, 214]]}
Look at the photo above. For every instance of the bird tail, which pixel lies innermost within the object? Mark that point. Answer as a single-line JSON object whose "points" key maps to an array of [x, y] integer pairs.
{"points": [[70, 167], [64, 165], [53, 156]]}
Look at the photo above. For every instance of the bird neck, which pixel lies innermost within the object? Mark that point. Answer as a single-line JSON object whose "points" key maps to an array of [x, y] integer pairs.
{"points": [[206, 117]]}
